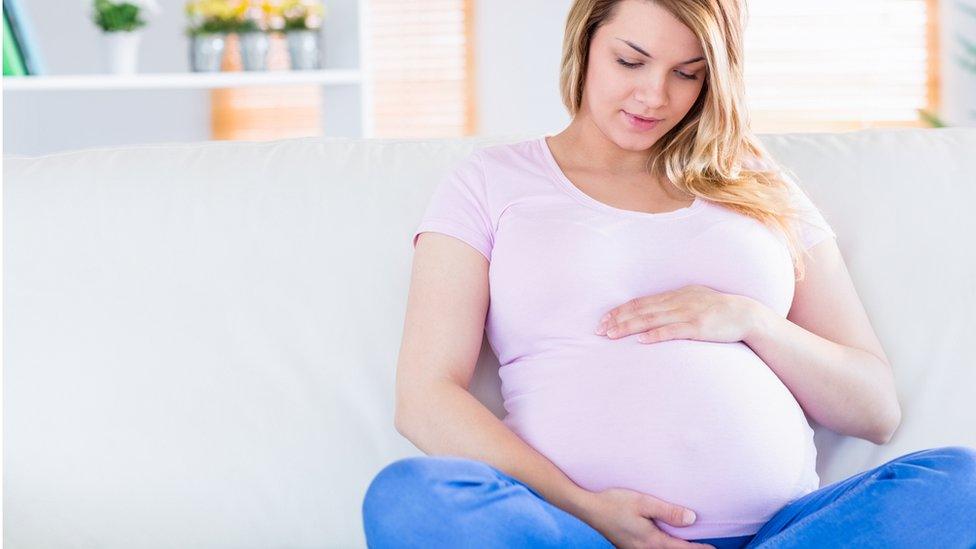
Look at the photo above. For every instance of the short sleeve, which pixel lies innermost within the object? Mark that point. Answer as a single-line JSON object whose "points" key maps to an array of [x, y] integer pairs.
{"points": [[459, 207], [812, 227]]}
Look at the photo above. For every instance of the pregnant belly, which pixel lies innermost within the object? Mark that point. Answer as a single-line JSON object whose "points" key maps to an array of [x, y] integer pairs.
{"points": [[701, 424]]}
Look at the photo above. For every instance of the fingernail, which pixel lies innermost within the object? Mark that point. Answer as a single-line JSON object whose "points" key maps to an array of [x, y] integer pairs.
{"points": [[601, 329], [689, 516], [605, 318]]}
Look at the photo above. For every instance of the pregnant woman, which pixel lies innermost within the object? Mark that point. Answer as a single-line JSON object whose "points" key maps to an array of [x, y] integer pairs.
{"points": [[667, 306]]}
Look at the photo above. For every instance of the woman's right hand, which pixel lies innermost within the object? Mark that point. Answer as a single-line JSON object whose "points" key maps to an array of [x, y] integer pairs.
{"points": [[624, 517]]}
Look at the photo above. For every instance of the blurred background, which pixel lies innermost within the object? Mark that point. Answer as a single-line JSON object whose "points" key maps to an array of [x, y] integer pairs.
{"points": [[90, 73]]}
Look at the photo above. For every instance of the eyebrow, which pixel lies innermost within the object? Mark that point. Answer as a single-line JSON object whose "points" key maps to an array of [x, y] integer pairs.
{"points": [[641, 51]]}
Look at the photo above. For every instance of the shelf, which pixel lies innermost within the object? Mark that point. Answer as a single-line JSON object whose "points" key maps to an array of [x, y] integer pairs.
{"points": [[180, 80]]}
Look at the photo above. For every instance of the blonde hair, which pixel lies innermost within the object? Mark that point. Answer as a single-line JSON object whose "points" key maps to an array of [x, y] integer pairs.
{"points": [[711, 153]]}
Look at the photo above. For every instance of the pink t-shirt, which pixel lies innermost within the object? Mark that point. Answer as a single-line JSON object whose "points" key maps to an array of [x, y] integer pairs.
{"points": [[702, 424]]}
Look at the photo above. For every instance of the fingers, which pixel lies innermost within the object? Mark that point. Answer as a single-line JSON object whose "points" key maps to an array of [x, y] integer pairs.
{"points": [[675, 515], [627, 324], [636, 304], [678, 330]]}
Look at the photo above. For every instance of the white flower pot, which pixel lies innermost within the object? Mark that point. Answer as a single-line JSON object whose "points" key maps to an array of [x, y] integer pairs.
{"points": [[120, 51], [254, 47], [304, 49], [207, 51]]}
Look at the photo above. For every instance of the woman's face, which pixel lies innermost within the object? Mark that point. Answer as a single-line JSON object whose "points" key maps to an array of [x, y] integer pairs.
{"points": [[655, 85]]}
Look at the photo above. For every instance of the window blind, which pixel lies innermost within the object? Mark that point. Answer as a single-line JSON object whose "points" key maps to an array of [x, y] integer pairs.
{"points": [[421, 61], [829, 65], [836, 65]]}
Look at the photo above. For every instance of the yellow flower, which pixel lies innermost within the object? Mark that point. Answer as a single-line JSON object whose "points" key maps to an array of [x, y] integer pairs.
{"points": [[216, 9], [297, 9], [271, 8]]}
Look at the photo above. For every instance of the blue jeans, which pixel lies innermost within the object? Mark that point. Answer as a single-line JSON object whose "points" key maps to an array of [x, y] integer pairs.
{"points": [[919, 500]]}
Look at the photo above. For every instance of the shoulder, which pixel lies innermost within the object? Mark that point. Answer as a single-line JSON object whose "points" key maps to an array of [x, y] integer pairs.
{"points": [[507, 154], [518, 166], [490, 175], [474, 167]]}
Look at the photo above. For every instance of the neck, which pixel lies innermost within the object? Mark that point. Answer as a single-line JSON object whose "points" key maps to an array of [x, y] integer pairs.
{"points": [[584, 147], [593, 150]]}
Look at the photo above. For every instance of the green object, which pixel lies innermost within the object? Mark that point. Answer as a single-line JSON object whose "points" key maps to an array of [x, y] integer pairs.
{"points": [[216, 25], [112, 17], [297, 23], [13, 61], [932, 119]]}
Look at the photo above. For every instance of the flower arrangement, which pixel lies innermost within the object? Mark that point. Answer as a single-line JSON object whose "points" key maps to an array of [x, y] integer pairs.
{"points": [[226, 16], [220, 16], [124, 16], [255, 22], [295, 14]]}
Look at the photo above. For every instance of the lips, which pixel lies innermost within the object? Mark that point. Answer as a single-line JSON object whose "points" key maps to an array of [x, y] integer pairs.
{"points": [[642, 118]]}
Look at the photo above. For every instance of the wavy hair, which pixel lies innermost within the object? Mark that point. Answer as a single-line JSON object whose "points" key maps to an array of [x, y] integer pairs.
{"points": [[712, 152]]}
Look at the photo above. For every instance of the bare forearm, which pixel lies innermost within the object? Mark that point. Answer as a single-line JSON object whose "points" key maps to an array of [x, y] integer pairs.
{"points": [[845, 389], [448, 420]]}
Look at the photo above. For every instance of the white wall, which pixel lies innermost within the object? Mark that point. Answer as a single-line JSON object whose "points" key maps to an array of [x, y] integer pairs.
{"points": [[519, 45], [958, 85]]}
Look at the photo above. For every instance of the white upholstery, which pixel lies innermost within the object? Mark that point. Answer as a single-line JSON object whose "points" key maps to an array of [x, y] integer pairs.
{"points": [[201, 339]]}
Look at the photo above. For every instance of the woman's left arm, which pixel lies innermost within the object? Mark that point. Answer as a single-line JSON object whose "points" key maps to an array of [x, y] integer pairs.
{"points": [[826, 352]]}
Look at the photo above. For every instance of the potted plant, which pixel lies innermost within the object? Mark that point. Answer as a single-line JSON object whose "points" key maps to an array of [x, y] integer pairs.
{"points": [[253, 38], [121, 23], [210, 21], [301, 21]]}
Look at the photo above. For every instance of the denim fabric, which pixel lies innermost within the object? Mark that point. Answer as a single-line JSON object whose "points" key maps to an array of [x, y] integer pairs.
{"points": [[922, 499]]}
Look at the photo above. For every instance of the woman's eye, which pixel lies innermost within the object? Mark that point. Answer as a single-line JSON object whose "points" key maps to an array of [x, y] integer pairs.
{"points": [[681, 74]]}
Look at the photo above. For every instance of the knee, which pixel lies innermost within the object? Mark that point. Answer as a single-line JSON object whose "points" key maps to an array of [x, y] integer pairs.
{"points": [[404, 494], [956, 465], [391, 484], [409, 480], [381, 505], [956, 460], [960, 462]]}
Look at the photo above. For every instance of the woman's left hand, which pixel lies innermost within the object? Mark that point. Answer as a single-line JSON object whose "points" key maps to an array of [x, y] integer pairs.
{"points": [[692, 312]]}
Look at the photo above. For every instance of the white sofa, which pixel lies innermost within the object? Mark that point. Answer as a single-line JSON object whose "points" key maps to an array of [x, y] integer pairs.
{"points": [[201, 338]]}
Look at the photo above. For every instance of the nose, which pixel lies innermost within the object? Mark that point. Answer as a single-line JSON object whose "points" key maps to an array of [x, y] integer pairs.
{"points": [[652, 92]]}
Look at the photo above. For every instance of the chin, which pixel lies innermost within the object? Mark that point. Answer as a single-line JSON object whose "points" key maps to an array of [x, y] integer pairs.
{"points": [[636, 143]]}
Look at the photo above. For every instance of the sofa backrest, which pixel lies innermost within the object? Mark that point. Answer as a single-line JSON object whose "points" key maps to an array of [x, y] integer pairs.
{"points": [[201, 338]]}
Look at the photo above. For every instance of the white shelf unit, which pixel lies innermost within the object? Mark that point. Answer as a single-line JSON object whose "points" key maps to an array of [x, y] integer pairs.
{"points": [[51, 113], [190, 80]]}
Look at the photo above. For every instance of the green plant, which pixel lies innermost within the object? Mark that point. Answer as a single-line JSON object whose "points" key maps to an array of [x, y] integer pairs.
{"points": [[299, 14], [216, 26], [219, 16], [117, 17], [932, 119]]}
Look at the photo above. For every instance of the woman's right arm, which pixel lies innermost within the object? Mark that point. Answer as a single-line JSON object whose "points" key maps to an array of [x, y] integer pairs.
{"points": [[442, 337]]}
